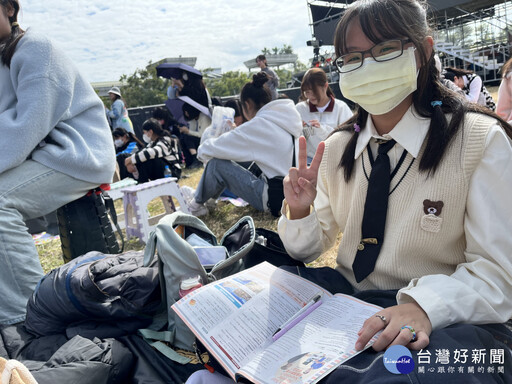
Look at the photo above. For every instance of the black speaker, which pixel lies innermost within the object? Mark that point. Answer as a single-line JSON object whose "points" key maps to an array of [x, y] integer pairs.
{"points": [[84, 226]]}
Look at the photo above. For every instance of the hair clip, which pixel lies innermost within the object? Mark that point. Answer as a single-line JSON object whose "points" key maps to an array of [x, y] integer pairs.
{"points": [[436, 103], [357, 128], [14, 24]]}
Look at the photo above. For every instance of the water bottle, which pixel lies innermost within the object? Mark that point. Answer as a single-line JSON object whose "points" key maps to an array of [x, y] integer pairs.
{"points": [[167, 171], [189, 284]]}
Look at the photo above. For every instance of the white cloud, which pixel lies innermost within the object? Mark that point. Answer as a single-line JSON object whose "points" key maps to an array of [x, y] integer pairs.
{"points": [[109, 39]]}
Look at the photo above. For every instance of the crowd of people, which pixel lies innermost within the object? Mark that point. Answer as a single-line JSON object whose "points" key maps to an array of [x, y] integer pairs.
{"points": [[247, 162], [416, 177]]}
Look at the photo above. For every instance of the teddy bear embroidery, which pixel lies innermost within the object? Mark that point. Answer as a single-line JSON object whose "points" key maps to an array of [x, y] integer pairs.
{"points": [[431, 220]]}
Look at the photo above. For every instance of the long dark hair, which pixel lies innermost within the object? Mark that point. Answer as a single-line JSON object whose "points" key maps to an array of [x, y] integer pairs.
{"points": [[507, 67], [121, 132], [155, 126], [162, 113], [256, 91], [314, 78], [8, 45], [390, 19], [459, 72]]}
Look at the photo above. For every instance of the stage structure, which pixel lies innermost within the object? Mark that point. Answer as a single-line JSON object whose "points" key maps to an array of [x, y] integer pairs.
{"points": [[475, 34]]}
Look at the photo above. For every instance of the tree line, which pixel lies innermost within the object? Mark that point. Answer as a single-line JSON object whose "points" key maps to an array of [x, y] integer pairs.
{"points": [[144, 87]]}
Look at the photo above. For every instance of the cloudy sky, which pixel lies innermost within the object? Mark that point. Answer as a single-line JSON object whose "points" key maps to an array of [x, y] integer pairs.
{"points": [[110, 38]]}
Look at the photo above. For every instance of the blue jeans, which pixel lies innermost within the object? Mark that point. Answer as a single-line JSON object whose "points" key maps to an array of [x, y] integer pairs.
{"points": [[30, 190], [221, 174]]}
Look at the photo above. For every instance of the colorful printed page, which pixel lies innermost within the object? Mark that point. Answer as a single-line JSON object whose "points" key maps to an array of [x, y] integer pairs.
{"points": [[236, 317], [314, 347]]}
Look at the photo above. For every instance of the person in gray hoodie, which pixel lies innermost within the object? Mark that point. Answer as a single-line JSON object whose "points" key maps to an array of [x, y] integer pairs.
{"points": [[56, 146], [266, 140]]}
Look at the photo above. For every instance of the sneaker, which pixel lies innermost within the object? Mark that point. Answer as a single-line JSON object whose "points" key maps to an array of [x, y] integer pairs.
{"points": [[197, 209], [187, 192], [196, 164], [210, 204]]}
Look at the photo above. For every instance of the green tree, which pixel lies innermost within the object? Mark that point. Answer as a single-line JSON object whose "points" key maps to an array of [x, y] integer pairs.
{"points": [[266, 51], [286, 49], [285, 74], [229, 84], [144, 87]]}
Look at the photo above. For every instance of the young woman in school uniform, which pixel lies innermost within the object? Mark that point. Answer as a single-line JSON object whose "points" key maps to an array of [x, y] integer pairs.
{"points": [[443, 249], [431, 245], [320, 111]]}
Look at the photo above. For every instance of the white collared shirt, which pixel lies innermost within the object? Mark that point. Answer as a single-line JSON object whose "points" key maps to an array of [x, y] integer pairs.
{"points": [[401, 133], [487, 223], [488, 218]]}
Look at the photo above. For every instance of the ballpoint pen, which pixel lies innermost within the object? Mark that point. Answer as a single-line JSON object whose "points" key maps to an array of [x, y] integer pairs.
{"points": [[305, 310]]}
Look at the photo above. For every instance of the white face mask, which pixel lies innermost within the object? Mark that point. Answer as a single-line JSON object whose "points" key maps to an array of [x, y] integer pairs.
{"points": [[118, 143], [379, 87], [146, 138]]}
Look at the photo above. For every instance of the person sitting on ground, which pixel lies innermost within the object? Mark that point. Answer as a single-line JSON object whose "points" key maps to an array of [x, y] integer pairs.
{"points": [[161, 150], [166, 120], [472, 85], [273, 79], [321, 113], [239, 116], [126, 144], [197, 116], [169, 123], [446, 82], [267, 139], [417, 181], [56, 146], [118, 112], [190, 136], [504, 105]]}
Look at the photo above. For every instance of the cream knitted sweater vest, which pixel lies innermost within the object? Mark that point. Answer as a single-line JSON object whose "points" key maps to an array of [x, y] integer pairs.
{"points": [[424, 227]]}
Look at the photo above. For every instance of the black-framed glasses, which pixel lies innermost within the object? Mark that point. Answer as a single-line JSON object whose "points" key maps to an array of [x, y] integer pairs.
{"points": [[385, 51]]}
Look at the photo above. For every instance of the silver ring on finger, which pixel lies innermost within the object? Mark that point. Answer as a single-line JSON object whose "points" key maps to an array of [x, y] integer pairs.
{"points": [[383, 318]]}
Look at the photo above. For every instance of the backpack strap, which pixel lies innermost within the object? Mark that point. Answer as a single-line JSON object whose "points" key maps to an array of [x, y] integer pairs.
{"points": [[157, 338], [111, 210]]}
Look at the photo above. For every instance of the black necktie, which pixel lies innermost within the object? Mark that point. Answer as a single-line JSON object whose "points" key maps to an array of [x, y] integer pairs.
{"points": [[374, 216]]}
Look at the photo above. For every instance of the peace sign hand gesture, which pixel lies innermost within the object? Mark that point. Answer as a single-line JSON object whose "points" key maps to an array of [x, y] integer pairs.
{"points": [[300, 183]]}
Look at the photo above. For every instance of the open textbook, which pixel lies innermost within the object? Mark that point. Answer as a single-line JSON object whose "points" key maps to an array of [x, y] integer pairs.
{"points": [[236, 317]]}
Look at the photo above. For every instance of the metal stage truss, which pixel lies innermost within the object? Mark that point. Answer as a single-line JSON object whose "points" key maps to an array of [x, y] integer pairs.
{"points": [[475, 35]]}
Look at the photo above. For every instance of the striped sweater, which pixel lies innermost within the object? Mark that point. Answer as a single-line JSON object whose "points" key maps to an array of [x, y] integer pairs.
{"points": [[165, 148]]}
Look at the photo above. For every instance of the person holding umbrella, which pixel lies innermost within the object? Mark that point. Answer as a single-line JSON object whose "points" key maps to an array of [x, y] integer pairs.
{"points": [[192, 86], [118, 113], [190, 105]]}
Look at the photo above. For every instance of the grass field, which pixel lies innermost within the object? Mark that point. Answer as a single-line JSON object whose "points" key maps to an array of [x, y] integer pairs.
{"points": [[220, 219]]}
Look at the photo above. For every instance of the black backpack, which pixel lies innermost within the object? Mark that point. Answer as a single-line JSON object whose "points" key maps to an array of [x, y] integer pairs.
{"points": [[84, 226]]}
